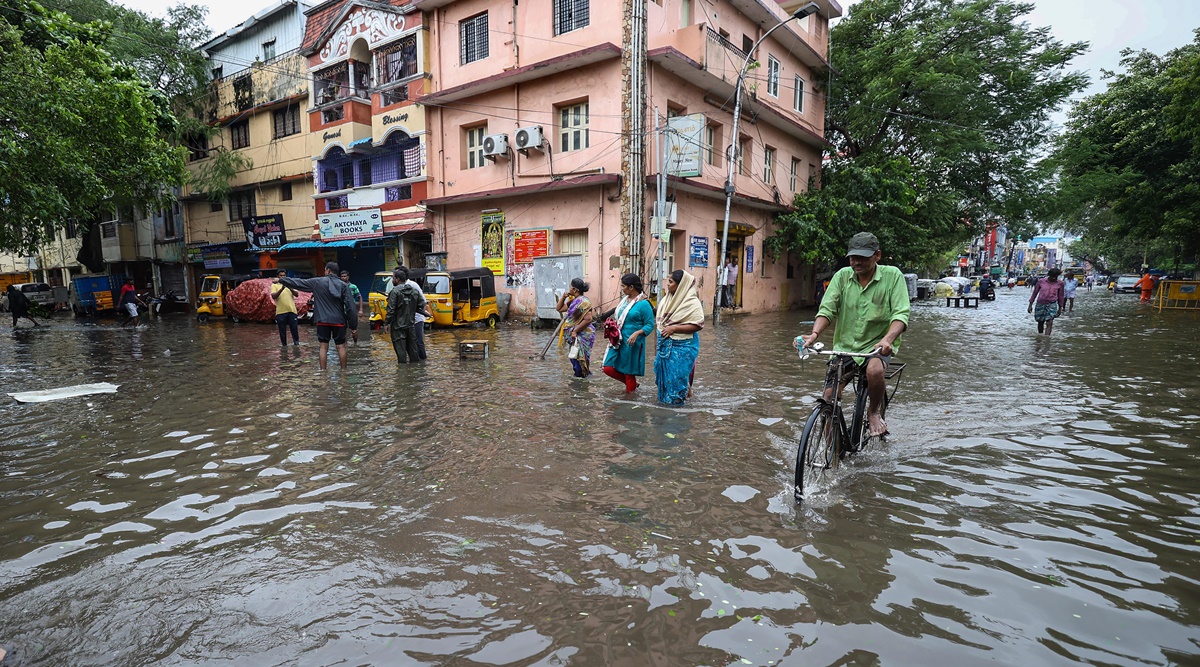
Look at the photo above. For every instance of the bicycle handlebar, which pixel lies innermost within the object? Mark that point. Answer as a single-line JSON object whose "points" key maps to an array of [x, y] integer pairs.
{"points": [[819, 348]]}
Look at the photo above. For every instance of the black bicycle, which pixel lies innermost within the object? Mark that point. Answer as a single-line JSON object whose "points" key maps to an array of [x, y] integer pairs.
{"points": [[826, 440]]}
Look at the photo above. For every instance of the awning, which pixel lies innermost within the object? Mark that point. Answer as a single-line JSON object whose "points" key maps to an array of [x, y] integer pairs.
{"points": [[359, 142], [201, 246], [317, 245]]}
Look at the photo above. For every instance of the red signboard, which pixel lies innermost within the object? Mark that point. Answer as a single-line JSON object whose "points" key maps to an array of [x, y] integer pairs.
{"points": [[529, 244], [962, 261]]}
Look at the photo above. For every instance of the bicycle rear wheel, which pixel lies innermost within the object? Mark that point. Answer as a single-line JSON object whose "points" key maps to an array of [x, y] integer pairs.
{"points": [[820, 448], [860, 427]]}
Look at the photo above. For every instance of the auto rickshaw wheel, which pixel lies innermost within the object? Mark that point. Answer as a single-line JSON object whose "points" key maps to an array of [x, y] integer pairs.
{"points": [[493, 320], [202, 318]]}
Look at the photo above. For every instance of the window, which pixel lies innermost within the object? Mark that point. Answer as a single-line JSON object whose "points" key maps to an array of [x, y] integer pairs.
{"points": [[743, 152], [218, 72], [241, 205], [473, 38], [169, 217], [685, 13], [197, 146], [474, 146], [269, 49], [712, 139], [794, 174], [814, 176], [573, 242], [768, 165], [285, 122], [747, 44], [214, 206], [239, 134], [364, 171], [333, 115], [674, 111], [71, 230], [570, 15], [798, 96], [398, 60], [332, 83], [285, 192], [772, 76], [573, 127]]}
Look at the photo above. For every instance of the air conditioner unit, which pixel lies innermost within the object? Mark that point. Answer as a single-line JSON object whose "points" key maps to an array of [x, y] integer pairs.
{"points": [[671, 214], [528, 138], [495, 145]]}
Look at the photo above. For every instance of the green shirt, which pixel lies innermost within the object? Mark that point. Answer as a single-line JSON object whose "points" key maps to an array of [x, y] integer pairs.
{"points": [[862, 316]]}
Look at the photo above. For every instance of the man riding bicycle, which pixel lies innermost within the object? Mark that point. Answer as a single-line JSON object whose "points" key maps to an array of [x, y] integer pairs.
{"points": [[869, 302]]}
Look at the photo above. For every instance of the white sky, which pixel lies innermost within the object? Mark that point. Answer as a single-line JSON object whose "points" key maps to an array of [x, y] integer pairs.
{"points": [[1108, 25]]}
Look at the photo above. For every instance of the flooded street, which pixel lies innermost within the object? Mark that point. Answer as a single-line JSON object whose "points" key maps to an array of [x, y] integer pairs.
{"points": [[1036, 503]]}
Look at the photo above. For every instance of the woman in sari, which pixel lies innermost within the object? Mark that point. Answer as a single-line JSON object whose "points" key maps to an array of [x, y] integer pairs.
{"points": [[680, 318], [577, 326], [625, 360]]}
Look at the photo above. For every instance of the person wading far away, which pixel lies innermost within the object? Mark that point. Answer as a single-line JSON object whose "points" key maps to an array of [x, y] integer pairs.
{"points": [[869, 303]]}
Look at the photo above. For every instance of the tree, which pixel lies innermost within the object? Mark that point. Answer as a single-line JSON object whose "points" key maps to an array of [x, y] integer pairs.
{"points": [[77, 130], [1129, 161], [953, 99]]}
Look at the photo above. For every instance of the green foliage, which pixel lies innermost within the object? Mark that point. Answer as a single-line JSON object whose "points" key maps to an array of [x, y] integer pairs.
{"points": [[1129, 161], [947, 98], [79, 130]]}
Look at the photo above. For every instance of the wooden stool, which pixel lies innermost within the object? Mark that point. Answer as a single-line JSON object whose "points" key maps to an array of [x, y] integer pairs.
{"points": [[472, 349]]}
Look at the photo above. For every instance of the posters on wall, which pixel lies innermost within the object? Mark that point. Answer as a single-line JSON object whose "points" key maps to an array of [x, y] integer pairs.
{"points": [[698, 251], [492, 242], [217, 258], [264, 232], [522, 246]]}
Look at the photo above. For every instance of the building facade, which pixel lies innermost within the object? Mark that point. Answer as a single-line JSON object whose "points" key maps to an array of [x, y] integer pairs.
{"points": [[257, 105], [526, 102], [367, 64]]}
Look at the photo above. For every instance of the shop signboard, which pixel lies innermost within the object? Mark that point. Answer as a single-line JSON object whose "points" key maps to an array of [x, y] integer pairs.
{"points": [[342, 225], [217, 258], [195, 254], [530, 243], [698, 251], [492, 241], [264, 232], [964, 261], [749, 259], [684, 144]]}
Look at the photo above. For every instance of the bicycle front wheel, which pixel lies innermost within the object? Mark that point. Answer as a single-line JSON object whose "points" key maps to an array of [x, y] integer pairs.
{"points": [[819, 452]]}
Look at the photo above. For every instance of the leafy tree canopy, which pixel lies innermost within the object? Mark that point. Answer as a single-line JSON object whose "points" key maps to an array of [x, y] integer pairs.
{"points": [[78, 131], [1129, 162], [945, 104]]}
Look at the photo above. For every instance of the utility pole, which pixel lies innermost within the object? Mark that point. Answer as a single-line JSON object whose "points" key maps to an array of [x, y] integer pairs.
{"points": [[633, 143]]}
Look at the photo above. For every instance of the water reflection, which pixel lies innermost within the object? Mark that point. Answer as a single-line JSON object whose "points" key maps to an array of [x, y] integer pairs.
{"points": [[1034, 505]]}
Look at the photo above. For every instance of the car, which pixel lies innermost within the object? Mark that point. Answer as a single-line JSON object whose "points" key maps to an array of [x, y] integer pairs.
{"points": [[39, 293], [1127, 283]]}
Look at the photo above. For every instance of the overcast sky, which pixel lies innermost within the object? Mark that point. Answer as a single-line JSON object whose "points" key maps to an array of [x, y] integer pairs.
{"points": [[1108, 25]]}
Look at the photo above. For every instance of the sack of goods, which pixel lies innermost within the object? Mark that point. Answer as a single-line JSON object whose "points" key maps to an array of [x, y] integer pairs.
{"points": [[252, 301]]}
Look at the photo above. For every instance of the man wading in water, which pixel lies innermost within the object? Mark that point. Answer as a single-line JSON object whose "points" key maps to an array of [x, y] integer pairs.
{"points": [[333, 310], [869, 301]]}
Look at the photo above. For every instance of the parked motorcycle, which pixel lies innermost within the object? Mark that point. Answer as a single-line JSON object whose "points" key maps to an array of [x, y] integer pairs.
{"points": [[169, 302]]}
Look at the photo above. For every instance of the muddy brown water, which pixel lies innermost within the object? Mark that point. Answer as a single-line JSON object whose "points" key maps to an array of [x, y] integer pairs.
{"points": [[1036, 503]]}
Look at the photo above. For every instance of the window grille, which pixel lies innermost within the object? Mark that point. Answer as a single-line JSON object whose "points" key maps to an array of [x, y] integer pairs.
{"points": [[396, 61], [239, 134], [71, 230], [398, 193], [573, 127], [241, 205], [475, 137], [285, 192], [571, 15], [197, 146], [214, 206], [364, 172], [393, 95], [473, 38], [285, 122], [108, 230], [332, 83], [333, 203], [332, 115], [772, 76]]}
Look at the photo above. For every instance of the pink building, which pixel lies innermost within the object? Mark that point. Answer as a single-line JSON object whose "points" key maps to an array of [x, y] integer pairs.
{"points": [[526, 101]]}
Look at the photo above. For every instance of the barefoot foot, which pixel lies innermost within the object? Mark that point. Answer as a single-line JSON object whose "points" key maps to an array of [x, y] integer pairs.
{"points": [[876, 426]]}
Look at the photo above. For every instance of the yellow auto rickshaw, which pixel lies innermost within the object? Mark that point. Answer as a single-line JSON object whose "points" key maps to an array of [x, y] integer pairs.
{"points": [[461, 296], [381, 285], [211, 300]]}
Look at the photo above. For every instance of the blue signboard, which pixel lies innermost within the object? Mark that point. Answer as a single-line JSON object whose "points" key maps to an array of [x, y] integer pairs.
{"points": [[698, 251], [749, 259]]}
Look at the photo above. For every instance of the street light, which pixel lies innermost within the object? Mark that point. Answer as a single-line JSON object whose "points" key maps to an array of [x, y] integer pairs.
{"points": [[807, 10]]}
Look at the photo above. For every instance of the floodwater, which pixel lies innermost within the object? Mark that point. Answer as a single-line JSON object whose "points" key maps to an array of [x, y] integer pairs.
{"points": [[1036, 503]]}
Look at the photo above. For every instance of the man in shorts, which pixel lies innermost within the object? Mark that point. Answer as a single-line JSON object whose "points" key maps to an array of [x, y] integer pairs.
{"points": [[355, 296], [333, 310], [869, 302], [129, 302]]}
